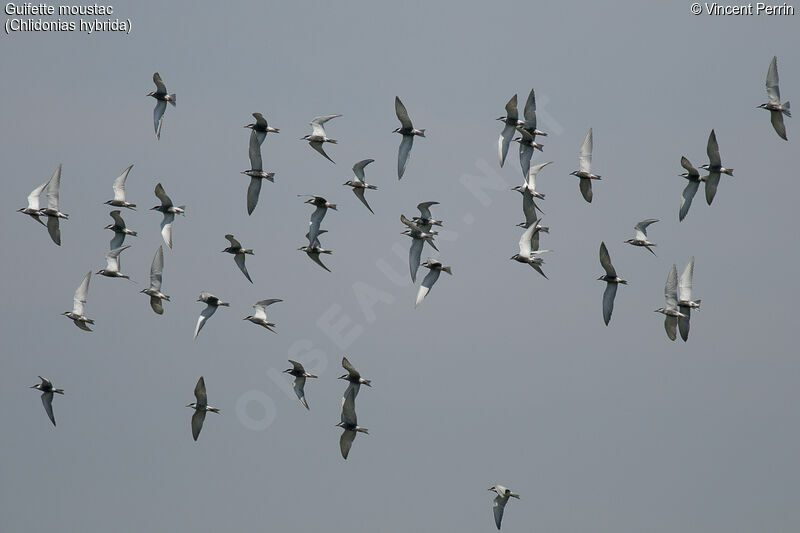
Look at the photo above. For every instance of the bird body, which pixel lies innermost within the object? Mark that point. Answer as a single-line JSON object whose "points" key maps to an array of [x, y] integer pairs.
{"points": [[78, 303], [500, 501], [46, 386], [112, 269], [584, 172], [529, 249], [169, 210], [694, 179], [119, 191], [777, 110], [641, 235], [260, 316], [612, 281], [200, 407], [238, 254], [436, 268], [154, 290], [300, 376], [670, 310], [354, 379], [349, 423], [212, 302], [408, 131], [318, 136], [685, 301], [359, 184], [120, 230], [162, 97], [714, 168]]}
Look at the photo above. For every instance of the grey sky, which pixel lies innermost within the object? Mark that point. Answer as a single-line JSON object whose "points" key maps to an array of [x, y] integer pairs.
{"points": [[500, 376]]}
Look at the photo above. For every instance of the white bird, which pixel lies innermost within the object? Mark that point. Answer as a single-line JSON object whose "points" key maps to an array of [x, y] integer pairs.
{"points": [[529, 113], [349, 423], [527, 144], [112, 269], [254, 189], [300, 376], [238, 254], [46, 386], [154, 290], [529, 249], [584, 171], [260, 316], [612, 280], [256, 171], [510, 123], [314, 250], [693, 177], [169, 210], [419, 235], [436, 269], [714, 168], [322, 206], [685, 302], [500, 501], [359, 183], [119, 228], [212, 302], [119, 191], [353, 378], [408, 131], [530, 179], [641, 235], [51, 211], [34, 210], [162, 97], [78, 303], [318, 137], [200, 407], [774, 106], [670, 311]]}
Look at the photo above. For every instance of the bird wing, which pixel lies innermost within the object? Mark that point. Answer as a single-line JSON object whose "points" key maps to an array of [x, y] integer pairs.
{"points": [[317, 145], [641, 228], [117, 240], [233, 241], [504, 141], [118, 221], [33, 197], [530, 179], [712, 149], [348, 416], [608, 301], [261, 122], [54, 229], [670, 326], [155, 303], [47, 401], [298, 367], [314, 223], [253, 190], [712, 182], [585, 153], [414, 255], [427, 284], [160, 87], [671, 288], [529, 112], [497, 508], [158, 116], [254, 152], [113, 260], [403, 154], [119, 185], [511, 109], [585, 185], [204, 316], [79, 300], [411, 224], [525, 239], [358, 168], [683, 323], [350, 368], [53, 187], [239, 259], [685, 282], [166, 228], [346, 441], [686, 198], [197, 423], [299, 390], [359, 192], [776, 118], [773, 92], [425, 209], [605, 261], [528, 207], [200, 391], [315, 257], [402, 114], [156, 268], [162, 195], [685, 163], [317, 122], [525, 155]]}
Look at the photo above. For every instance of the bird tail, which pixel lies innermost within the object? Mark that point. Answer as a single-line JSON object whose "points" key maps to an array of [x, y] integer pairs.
{"points": [[225, 304], [368, 382], [332, 141], [212, 409], [513, 495], [182, 208], [332, 206], [786, 110], [544, 229], [173, 99], [248, 251], [421, 133], [698, 303], [362, 430], [448, 270], [539, 147], [134, 233], [90, 321]]}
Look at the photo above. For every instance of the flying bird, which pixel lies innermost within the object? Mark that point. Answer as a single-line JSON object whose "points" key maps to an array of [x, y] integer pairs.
{"points": [[51, 211], [322, 206], [436, 269], [584, 171], [34, 210], [112, 269], [685, 302], [119, 191], [200, 407], [670, 311], [408, 131], [261, 128], [693, 177], [353, 378], [162, 97], [46, 386], [529, 207], [212, 302], [260, 316], [527, 144], [238, 254], [419, 235], [314, 250], [119, 228], [154, 290], [300, 376], [425, 217], [500, 501], [641, 235], [169, 210], [529, 113], [78, 303], [318, 137], [714, 168], [774, 106], [510, 123], [349, 423], [612, 280], [359, 183], [529, 249]]}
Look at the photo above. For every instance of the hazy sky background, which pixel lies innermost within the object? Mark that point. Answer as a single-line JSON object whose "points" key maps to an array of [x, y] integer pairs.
{"points": [[500, 376]]}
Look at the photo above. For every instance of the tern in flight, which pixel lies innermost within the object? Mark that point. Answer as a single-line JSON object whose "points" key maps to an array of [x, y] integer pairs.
{"points": [[46, 386], [162, 97], [300, 376], [318, 137], [500, 501], [436, 269], [78, 303], [641, 235], [670, 310], [584, 171], [119, 191], [238, 254], [612, 281], [693, 177], [260, 316], [154, 290], [685, 302], [212, 302], [349, 423], [169, 210], [714, 168], [200, 407], [776, 109], [359, 183], [408, 131]]}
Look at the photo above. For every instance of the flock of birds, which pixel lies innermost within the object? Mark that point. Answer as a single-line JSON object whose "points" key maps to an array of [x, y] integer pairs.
{"points": [[677, 291]]}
